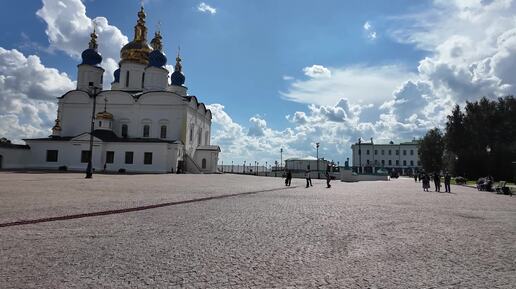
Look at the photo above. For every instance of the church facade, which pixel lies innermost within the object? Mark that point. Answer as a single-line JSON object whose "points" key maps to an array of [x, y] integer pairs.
{"points": [[146, 122]]}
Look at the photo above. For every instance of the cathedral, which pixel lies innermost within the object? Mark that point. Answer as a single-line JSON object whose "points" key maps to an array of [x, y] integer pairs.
{"points": [[146, 122]]}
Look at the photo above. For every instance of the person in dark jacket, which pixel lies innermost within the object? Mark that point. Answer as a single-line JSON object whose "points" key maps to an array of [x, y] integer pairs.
{"points": [[328, 179], [447, 181], [426, 182], [437, 182], [289, 178]]}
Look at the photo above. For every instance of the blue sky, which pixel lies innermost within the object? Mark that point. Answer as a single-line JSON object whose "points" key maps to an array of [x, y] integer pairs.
{"points": [[281, 73]]}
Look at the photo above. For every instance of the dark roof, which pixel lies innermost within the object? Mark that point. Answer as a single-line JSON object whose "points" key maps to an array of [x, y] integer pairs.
{"points": [[13, 146], [108, 136]]}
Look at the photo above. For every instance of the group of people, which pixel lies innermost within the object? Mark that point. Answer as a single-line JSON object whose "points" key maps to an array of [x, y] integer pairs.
{"points": [[308, 178], [436, 177]]}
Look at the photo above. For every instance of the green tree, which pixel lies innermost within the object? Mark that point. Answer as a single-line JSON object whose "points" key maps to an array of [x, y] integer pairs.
{"points": [[431, 150]]}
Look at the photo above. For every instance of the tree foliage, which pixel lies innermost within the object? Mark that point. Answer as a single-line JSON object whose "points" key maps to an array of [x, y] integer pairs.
{"points": [[431, 150]]}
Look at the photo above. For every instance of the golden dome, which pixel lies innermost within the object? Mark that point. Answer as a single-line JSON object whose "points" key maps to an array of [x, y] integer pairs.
{"points": [[138, 49], [104, 115]]}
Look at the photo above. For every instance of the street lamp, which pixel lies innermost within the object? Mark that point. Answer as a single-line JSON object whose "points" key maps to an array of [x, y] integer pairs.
{"points": [[266, 169], [281, 157], [92, 92], [231, 166], [488, 150], [317, 147], [243, 171], [360, 155]]}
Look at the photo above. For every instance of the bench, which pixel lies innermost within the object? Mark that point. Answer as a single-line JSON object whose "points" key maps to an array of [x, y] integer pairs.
{"points": [[502, 188]]}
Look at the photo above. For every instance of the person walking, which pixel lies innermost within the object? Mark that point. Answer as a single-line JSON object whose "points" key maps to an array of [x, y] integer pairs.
{"points": [[415, 177], [307, 177], [426, 182], [328, 179], [447, 181], [437, 182], [289, 177]]}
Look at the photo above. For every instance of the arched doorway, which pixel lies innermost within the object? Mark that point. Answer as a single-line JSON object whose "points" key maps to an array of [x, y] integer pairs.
{"points": [[204, 163]]}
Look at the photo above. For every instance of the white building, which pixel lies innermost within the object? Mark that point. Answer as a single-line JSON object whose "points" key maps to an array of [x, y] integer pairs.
{"points": [[144, 123], [300, 165], [403, 158]]}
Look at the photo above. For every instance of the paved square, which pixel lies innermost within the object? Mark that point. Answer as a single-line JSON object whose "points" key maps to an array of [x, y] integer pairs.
{"points": [[354, 235]]}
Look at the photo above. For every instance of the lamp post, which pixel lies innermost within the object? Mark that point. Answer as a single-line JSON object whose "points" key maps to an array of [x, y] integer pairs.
{"points": [[243, 171], [266, 169], [281, 157], [488, 150], [317, 156], [231, 166], [360, 155], [93, 92]]}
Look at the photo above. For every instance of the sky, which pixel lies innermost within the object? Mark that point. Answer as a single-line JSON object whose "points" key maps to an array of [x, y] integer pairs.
{"points": [[275, 74]]}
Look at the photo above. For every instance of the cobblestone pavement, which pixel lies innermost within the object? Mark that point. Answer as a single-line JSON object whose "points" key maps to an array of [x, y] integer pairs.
{"points": [[354, 235]]}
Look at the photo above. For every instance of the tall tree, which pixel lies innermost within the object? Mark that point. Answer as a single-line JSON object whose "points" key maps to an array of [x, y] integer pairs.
{"points": [[431, 149]]}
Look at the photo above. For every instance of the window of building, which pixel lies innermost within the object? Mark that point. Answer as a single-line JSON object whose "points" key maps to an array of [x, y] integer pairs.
{"points": [[163, 131], [375, 152], [85, 156], [203, 163], [404, 163], [129, 157], [359, 151], [367, 161], [124, 130], [383, 152], [367, 152], [397, 152], [147, 158], [127, 78], [199, 140], [146, 130], [411, 163], [411, 152], [143, 80], [397, 162], [404, 152], [52, 156], [100, 123], [191, 134], [110, 157], [390, 162], [383, 162], [390, 152]]}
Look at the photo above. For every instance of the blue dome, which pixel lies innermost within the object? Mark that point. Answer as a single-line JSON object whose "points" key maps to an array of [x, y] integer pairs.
{"points": [[177, 78], [116, 75], [157, 59], [91, 57]]}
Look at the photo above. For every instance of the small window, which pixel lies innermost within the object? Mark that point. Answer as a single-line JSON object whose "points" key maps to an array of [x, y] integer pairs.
{"points": [[390, 152], [127, 79], [51, 156], [163, 131], [191, 134], [404, 152], [143, 80], [390, 163], [100, 123], [376, 152], [383, 162], [367, 152], [397, 162], [199, 139], [383, 152], [397, 152], [85, 156], [411, 163], [411, 152], [129, 157], [367, 161], [124, 130], [110, 157], [404, 163], [203, 163], [146, 130], [147, 158]]}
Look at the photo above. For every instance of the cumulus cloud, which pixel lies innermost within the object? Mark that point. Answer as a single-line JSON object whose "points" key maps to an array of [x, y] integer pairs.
{"points": [[28, 91], [369, 30], [205, 8], [68, 30], [317, 71]]}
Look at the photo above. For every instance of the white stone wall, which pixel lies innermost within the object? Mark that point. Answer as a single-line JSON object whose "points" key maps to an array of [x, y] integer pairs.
{"points": [[14, 158], [88, 73]]}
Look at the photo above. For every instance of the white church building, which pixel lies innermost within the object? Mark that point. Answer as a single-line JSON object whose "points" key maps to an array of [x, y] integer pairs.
{"points": [[146, 122]]}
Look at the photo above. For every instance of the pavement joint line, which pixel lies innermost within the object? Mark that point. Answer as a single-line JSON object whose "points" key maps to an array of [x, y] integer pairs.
{"points": [[133, 209]]}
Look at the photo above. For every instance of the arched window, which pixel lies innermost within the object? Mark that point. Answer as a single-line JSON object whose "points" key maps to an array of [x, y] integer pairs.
{"points": [[124, 130], [163, 132], [199, 140], [191, 133], [127, 79], [203, 163], [146, 130], [143, 80]]}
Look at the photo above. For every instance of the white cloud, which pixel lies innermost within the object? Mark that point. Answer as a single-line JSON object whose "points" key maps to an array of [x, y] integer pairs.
{"points": [[28, 91], [369, 30], [358, 84], [68, 30], [317, 71], [205, 8]]}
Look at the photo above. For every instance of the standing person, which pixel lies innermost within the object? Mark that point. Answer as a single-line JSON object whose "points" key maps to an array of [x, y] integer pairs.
{"points": [[447, 181], [310, 177], [289, 178], [285, 174], [437, 182], [328, 179], [307, 177], [415, 177]]}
